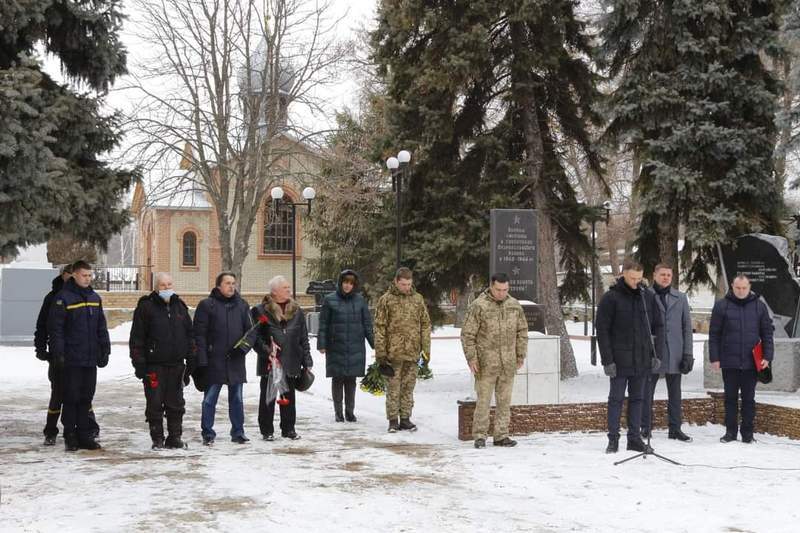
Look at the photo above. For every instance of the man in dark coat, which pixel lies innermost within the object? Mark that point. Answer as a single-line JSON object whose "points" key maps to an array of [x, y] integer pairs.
{"points": [[344, 324], [223, 334], [627, 320], [80, 343], [285, 331], [55, 372], [161, 340], [738, 322], [676, 346]]}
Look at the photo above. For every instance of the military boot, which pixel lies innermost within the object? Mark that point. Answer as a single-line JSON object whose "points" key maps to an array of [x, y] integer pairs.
{"points": [[174, 442], [407, 425], [394, 427], [71, 443], [158, 443]]}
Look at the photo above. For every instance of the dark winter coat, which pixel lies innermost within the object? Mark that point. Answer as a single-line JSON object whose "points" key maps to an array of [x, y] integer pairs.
{"points": [[288, 330], [40, 335], [736, 327], [77, 327], [161, 333], [344, 323], [219, 323], [623, 333], [676, 339]]}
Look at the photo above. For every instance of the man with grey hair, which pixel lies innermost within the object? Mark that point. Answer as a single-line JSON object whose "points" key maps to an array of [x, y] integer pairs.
{"points": [[284, 331], [163, 356]]}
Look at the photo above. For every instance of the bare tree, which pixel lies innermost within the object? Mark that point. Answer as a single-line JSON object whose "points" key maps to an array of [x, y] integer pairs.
{"points": [[217, 94]]}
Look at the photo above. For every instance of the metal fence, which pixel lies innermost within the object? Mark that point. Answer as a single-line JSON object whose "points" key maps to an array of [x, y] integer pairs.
{"points": [[122, 278]]}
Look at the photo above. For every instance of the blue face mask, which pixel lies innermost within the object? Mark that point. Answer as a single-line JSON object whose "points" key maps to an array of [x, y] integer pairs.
{"points": [[166, 294]]}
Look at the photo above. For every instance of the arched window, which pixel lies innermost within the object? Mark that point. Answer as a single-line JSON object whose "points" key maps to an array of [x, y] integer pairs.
{"points": [[278, 229], [189, 249]]}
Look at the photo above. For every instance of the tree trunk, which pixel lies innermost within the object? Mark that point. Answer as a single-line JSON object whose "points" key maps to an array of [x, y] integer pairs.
{"points": [[785, 132], [548, 282], [668, 243]]}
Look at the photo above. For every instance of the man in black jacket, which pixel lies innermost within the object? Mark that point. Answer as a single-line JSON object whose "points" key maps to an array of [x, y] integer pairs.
{"points": [[223, 335], [627, 321], [161, 340], [79, 341], [55, 371]]}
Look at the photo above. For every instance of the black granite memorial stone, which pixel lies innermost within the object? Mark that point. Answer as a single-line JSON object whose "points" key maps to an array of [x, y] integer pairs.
{"points": [[534, 314], [765, 260], [320, 289], [514, 250]]}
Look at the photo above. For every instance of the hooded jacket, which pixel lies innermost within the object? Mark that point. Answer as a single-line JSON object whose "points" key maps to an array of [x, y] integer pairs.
{"points": [[344, 324], [40, 336], [402, 326]]}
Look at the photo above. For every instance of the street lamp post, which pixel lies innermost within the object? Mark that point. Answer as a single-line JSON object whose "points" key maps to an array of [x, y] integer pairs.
{"points": [[397, 166], [277, 196], [596, 213]]}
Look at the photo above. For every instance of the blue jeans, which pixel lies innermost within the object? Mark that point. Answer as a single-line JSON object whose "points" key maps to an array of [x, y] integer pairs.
{"points": [[235, 410]]}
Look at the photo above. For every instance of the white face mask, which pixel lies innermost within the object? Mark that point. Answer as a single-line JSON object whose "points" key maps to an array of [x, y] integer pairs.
{"points": [[166, 294]]}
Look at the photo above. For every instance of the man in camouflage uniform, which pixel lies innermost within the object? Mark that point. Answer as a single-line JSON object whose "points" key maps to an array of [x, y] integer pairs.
{"points": [[495, 342], [402, 335]]}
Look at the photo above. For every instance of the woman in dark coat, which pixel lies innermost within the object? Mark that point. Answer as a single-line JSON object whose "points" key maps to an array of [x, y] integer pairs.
{"points": [[344, 324], [285, 331]]}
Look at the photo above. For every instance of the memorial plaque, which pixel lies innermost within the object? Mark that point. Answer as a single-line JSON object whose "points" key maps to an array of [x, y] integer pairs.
{"points": [[514, 250], [765, 260], [534, 314], [320, 289]]}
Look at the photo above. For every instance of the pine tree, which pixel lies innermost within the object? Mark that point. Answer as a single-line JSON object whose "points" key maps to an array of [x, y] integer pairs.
{"points": [[52, 178], [483, 92], [697, 104]]}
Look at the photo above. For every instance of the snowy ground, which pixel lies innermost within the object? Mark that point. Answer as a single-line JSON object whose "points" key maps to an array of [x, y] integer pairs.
{"points": [[356, 477]]}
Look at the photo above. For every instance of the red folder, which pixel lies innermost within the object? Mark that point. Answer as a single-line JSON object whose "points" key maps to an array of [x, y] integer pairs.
{"points": [[758, 355]]}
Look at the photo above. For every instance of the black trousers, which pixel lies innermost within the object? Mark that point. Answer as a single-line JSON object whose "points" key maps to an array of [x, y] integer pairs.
{"points": [[164, 394], [616, 394], [674, 414], [79, 385], [344, 387], [55, 373], [266, 411], [737, 381]]}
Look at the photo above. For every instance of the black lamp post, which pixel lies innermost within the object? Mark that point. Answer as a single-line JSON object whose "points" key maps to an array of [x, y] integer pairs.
{"points": [[594, 214], [397, 166], [277, 196]]}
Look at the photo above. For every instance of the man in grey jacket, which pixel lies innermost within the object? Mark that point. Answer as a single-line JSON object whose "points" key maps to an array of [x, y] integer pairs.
{"points": [[675, 345]]}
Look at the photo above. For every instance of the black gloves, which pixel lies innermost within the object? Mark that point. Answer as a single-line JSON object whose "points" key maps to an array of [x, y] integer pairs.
{"points": [[42, 356], [57, 359], [140, 369], [191, 365], [610, 370], [687, 363], [386, 369], [655, 363], [102, 360], [200, 377]]}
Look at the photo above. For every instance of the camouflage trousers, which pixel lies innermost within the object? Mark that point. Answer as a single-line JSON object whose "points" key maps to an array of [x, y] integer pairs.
{"points": [[501, 386], [400, 390]]}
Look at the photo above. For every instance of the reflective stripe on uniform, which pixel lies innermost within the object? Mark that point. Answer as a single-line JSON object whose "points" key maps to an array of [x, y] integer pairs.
{"points": [[83, 304]]}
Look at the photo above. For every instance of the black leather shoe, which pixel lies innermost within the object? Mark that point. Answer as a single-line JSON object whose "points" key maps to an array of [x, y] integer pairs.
{"points": [[269, 437], [506, 442], [158, 443], [70, 444], [679, 435], [613, 444], [208, 441], [240, 439], [748, 439], [291, 435], [174, 443], [480, 443], [638, 445], [727, 437], [339, 417], [50, 440], [646, 434], [350, 417]]}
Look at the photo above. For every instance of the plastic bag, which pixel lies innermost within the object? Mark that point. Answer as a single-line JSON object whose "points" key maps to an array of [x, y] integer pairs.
{"points": [[276, 382]]}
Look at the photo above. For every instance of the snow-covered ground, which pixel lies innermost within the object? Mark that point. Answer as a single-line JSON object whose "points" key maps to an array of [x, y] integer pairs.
{"points": [[356, 477]]}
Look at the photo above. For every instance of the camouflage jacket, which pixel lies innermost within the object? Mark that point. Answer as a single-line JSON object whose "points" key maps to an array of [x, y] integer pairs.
{"points": [[402, 326], [495, 334]]}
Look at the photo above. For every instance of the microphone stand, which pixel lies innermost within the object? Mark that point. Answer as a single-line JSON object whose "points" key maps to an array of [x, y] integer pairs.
{"points": [[648, 450]]}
